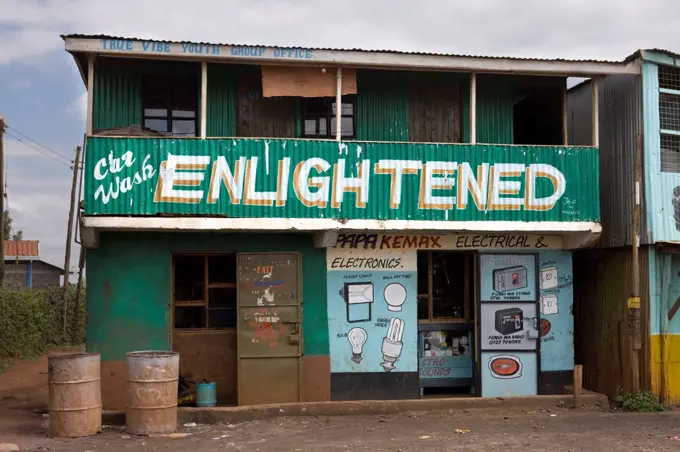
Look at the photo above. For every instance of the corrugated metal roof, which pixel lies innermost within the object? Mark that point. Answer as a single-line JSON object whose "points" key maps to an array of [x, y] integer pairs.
{"points": [[22, 248], [101, 36], [638, 54]]}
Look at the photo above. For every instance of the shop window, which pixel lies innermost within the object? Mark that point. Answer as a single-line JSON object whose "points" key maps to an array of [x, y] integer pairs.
{"points": [[204, 291], [445, 286], [170, 104], [318, 117]]}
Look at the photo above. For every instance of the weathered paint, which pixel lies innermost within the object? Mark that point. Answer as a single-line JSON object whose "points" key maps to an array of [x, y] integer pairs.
{"points": [[664, 297], [556, 304], [29, 275], [242, 178], [620, 121], [659, 186], [128, 289]]}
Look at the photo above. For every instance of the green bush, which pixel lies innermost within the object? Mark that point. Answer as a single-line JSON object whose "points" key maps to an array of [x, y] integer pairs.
{"points": [[32, 320], [643, 400]]}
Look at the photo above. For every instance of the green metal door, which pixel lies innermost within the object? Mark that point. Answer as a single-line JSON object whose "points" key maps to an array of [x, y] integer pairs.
{"points": [[269, 328]]}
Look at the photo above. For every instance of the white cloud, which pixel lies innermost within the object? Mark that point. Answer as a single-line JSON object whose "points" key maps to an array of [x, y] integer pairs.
{"points": [[78, 106]]}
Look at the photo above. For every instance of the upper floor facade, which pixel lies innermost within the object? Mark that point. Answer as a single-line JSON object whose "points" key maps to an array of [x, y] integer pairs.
{"points": [[639, 121], [201, 136]]}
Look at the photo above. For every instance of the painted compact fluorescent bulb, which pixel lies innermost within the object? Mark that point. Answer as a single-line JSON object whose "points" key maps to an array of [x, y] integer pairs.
{"points": [[392, 345], [357, 338]]}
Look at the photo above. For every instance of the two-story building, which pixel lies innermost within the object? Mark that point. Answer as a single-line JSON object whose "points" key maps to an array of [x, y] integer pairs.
{"points": [[315, 224], [627, 304]]}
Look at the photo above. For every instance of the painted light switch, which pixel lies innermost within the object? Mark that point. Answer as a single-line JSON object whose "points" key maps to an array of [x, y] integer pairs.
{"points": [[549, 278], [549, 304]]}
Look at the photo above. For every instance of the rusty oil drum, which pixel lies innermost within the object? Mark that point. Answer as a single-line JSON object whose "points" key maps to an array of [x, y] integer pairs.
{"points": [[75, 400], [152, 378]]}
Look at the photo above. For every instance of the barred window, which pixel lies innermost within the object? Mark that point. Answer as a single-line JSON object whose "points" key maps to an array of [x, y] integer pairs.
{"points": [[670, 153], [669, 78], [669, 118]]}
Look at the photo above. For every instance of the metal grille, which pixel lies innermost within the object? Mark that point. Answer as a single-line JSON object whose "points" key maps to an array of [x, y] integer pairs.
{"points": [[669, 77], [669, 111], [670, 153]]}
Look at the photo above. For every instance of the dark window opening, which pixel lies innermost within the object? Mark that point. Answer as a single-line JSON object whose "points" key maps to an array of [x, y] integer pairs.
{"points": [[537, 116], [170, 104], [204, 292], [319, 120], [445, 286]]}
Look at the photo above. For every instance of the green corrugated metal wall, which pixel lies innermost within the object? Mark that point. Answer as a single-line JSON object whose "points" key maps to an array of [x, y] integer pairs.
{"points": [[382, 112], [128, 287], [382, 108], [495, 101], [221, 111], [117, 98]]}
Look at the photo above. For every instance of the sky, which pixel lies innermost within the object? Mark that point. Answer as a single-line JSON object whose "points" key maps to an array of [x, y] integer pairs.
{"points": [[43, 97]]}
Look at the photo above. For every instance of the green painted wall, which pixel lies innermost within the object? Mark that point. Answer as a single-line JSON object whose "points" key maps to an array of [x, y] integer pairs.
{"points": [[128, 286], [117, 98], [221, 109], [382, 108]]}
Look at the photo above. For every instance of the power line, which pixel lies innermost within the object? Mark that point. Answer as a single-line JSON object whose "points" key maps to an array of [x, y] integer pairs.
{"points": [[39, 144], [38, 150]]}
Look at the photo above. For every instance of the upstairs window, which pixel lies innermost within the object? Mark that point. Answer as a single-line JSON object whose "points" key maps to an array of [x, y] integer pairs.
{"points": [[318, 116], [170, 105], [669, 118]]}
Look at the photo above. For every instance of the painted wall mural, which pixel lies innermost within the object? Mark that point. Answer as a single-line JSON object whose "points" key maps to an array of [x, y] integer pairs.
{"points": [[509, 324], [506, 374], [556, 287], [372, 310]]}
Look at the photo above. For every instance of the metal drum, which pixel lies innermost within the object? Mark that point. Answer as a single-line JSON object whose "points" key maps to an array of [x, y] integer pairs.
{"points": [[75, 404], [152, 392]]}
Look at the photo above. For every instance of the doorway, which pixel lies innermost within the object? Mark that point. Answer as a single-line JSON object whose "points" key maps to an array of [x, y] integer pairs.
{"points": [[204, 321], [446, 323]]}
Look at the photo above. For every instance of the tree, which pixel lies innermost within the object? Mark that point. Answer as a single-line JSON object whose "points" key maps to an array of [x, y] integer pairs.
{"points": [[8, 225], [9, 233]]}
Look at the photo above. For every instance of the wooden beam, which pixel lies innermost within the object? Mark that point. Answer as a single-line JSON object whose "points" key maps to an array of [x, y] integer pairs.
{"points": [[596, 112], [578, 385], [338, 105], [137, 48], [473, 108], [90, 94], [565, 116], [204, 96]]}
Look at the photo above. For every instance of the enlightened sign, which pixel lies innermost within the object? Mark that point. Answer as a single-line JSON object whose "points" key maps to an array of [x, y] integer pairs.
{"points": [[331, 181]]}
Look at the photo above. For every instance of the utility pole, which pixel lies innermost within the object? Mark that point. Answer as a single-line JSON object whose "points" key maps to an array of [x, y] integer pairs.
{"points": [[2, 200], [634, 300], [69, 233]]}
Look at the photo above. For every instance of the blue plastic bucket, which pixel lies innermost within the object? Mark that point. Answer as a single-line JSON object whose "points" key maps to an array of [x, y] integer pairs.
{"points": [[206, 394]]}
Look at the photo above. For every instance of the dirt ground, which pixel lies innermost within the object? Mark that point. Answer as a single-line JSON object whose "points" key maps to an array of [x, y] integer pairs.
{"points": [[23, 395]]}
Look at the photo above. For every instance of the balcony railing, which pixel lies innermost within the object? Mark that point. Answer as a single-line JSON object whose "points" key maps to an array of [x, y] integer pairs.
{"points": [[311, 179]]}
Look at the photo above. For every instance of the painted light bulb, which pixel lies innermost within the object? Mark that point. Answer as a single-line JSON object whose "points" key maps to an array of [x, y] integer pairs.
{"points": [[395, 296], [392, 345], [357, 338]]}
